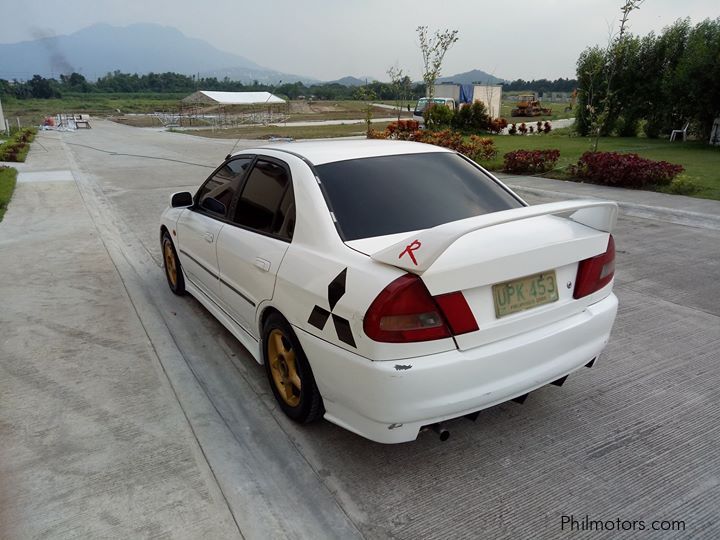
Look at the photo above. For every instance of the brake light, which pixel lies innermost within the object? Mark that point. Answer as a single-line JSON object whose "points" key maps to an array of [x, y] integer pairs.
{"points": [[457, 312], [596, 272], [405, 312]]}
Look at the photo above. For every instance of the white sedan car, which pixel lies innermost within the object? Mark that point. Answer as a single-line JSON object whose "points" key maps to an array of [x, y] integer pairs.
{"points": [[388, 286]]}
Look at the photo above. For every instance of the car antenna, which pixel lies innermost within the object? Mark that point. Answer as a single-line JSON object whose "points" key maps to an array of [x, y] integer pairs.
{"points": [[233, 148]]}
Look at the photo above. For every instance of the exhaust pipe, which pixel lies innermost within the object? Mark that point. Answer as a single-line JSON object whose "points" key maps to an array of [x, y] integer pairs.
{"points": [[438, 428], [442, 431]]}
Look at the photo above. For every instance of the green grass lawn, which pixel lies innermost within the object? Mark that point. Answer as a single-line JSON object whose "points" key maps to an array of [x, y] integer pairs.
{"points": [[8, 178], [701, 161], [558, 111], [33, 111]]}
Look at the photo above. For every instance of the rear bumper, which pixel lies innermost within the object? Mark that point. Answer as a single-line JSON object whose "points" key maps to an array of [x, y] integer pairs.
{"points": [[390, 401]]}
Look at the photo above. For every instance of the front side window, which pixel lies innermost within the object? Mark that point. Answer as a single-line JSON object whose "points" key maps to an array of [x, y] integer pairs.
{"points": [[266, 204], [222, 186], [402, 193]]}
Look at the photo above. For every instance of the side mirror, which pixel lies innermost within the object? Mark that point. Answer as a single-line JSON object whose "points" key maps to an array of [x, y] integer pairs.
{"points": [[181, 199], [213, 205]]}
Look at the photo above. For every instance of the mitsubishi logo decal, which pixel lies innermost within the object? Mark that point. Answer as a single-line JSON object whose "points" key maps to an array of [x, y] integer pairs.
{"points": [[319, 316]]}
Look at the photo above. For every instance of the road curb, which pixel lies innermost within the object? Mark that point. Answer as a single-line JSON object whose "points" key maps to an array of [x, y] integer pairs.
{"points": [[672, 215]]}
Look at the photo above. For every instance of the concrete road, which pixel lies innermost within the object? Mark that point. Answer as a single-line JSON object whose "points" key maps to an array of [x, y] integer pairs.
{"points": [[635, 438]]}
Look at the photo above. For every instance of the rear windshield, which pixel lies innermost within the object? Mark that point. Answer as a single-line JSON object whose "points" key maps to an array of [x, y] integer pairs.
{"points": [[395, 194]]}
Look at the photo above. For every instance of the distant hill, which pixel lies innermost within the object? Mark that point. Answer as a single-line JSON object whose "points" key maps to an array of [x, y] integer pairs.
{"points": [[351, 81], [262, 75], [138, 48], [469, 77]]}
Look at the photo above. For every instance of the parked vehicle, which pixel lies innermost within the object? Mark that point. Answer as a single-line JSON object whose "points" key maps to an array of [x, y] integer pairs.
{"points": [[423, 104], [389, 286]]}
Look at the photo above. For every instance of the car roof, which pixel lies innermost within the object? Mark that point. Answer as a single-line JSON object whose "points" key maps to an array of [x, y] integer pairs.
{"points": [[321, 152]]}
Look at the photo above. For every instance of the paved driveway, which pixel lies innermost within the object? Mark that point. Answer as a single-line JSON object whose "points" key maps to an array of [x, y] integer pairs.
{"points": [[634, 438]]}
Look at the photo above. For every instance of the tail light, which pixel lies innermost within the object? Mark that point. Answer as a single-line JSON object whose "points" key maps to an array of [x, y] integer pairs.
{"points": [[406, 312], [457, 312], [596, 272]]}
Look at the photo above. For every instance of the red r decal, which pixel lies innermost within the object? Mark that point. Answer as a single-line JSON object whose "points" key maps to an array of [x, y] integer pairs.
{"points": [[409, 250]]}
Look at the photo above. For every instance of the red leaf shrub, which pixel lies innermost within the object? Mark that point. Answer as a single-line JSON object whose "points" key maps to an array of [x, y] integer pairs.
{"points": [[624, 170], [445, 138], [402, 130], [478, 148], [375, 134], [530, 161], [497, 125]]}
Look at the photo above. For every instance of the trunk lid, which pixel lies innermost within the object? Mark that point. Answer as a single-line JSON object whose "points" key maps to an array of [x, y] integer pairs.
{"points": [[475, 254]]}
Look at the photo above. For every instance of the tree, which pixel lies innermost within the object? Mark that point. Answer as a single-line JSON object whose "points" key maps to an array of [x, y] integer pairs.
{"points": [[400, 84], [659, 81], [590, 93], [697, 76], [42, 88], [366, 94], [433, 51], [614, 55]]}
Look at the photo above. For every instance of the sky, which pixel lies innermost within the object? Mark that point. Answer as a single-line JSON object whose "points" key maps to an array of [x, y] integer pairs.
{"points": [[329, 39]]}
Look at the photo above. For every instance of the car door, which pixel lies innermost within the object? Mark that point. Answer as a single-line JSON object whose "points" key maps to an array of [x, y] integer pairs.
{"points": [[199, 227], [251, 249]]}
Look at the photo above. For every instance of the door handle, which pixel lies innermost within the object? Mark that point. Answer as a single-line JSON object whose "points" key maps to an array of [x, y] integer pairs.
{"points": [[209, 237], [262, 264]]}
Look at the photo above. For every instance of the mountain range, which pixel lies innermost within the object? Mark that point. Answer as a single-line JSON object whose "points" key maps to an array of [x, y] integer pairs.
{"points": [[144, 48], [138, 48], [470, 77]]}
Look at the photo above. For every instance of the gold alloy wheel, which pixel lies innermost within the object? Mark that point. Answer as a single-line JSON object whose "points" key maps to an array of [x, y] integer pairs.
{"points": [[284, 368], [170, 266]]}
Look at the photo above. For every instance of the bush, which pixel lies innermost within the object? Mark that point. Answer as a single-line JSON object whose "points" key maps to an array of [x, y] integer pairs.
{"points": [[445, 138], [461, 119], [375, 134], [624, 170], [497, 125], [402, 130], [477, 148], [479, 119], [438, 116], [481, 148], [530, 161], [682, 186], [15, 149]]}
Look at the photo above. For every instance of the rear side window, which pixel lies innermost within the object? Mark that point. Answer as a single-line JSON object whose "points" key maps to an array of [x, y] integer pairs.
{"points": [[266, 204], [223, 185], [395, 194]]}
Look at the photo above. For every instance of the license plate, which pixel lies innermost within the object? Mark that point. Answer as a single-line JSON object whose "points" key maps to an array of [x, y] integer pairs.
{"points": [[525, 293]]}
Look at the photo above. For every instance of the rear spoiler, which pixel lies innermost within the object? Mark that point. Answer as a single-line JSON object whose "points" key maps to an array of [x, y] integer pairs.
{"points": [[416, 253]]}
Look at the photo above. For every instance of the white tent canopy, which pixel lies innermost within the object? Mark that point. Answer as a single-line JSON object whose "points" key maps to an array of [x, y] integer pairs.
{"points": [[233, 98]]}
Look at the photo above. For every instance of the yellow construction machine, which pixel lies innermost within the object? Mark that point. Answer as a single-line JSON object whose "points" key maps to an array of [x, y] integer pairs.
{"points": [[529, 105]]}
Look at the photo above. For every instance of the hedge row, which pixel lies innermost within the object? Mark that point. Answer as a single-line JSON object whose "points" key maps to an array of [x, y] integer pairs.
{"points": [[15, 149]]}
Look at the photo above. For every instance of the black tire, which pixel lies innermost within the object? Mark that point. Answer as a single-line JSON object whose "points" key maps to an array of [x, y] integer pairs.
{"points": [[170, 262], [303, 404]]}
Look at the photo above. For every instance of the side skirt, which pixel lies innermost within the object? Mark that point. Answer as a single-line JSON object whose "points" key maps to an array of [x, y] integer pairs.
{"points": [[245, 339]]}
